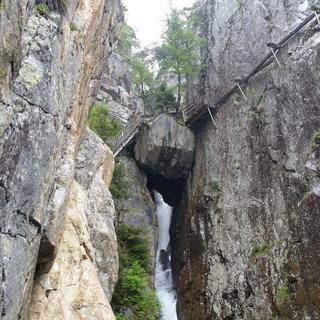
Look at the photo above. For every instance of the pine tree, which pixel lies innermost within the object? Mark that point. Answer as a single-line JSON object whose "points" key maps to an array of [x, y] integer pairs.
{"points": [[180, 49]]}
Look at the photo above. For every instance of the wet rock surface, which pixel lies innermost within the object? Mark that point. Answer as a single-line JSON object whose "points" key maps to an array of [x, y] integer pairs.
{"points": [[166, 148], [244, 243], [138, 209]]}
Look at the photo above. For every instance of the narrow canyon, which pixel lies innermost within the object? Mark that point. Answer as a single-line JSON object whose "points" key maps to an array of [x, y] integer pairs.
{"points": [[175, 193]]}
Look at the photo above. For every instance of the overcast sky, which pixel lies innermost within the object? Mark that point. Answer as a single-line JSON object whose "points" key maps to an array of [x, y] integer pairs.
{"points": [[147, 16]]}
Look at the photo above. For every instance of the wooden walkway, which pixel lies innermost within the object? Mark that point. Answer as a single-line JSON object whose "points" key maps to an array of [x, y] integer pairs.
{"points": [[128, 133], [195, 112]]}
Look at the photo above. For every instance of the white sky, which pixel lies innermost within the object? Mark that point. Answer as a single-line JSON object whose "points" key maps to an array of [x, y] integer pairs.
{"points": [[147, 16]]}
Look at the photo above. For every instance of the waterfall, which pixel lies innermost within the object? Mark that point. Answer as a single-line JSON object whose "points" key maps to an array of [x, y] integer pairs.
{"points": [[163, 275]]}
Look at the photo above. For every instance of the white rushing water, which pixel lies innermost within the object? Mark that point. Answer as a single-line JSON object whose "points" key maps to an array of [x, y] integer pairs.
{"points": [[163, 275]]}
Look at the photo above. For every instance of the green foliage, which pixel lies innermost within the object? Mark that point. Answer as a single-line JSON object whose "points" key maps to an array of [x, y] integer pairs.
{"points": [[102, 123], [141, 75], [73, 27], [3, 72], [133, 246], [134, 290], [121, 181], [254, 114], [282, 294], [260, 251], [315, 140], [164, 98], [180, 48], [127, 42], [42, 9]]}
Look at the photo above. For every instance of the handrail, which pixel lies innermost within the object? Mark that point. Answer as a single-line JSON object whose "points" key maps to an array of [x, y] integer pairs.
{"points": [[129, 131], [265, 62]]}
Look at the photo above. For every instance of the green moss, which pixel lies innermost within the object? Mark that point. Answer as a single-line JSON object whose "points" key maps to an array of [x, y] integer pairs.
{"points": [[256, 111], [282, 294], [306, 194], [73, 27], [261, 102], [134, 289], [3, 72], [253, 114], [121, 181], [260, 251], [228, 43], [42, 9], [315, 141], [239, 4]]}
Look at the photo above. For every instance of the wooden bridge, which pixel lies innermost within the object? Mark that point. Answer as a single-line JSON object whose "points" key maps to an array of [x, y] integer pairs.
{"points": [[128, 133], [195, 112]]}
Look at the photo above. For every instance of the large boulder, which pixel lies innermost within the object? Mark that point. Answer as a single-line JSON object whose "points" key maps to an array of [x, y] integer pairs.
{"points": [[165, 147]]}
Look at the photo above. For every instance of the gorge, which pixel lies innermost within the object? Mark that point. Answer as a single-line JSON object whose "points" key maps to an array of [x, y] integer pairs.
{"points": [[245, 190]]}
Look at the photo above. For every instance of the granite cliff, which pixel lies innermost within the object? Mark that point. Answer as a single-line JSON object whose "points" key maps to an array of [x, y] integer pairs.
{"points": [[246, 240], [51, 58]]}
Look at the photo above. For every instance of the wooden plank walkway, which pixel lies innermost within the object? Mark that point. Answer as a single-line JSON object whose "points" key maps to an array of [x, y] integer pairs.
{"points": [[128, 133], [195, 112]]}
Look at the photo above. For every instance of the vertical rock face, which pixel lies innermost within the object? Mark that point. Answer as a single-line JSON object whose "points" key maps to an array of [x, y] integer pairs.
{"points": [[77, 283], [118, 90], [246, 244], [48, 76], [138, 210]]}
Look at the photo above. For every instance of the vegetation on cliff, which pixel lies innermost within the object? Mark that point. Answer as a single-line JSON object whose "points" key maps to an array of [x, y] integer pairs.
{"points": [[103, 123], [160, 74], [121, 181], [134, 293]]}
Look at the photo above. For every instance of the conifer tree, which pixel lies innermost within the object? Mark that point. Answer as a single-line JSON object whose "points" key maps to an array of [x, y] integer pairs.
{"points": [[180, 48]]}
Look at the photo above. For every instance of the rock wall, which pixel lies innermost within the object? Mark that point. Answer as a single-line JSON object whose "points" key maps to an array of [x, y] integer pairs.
{"points": [[79, 282], [138, 209], [246, 244], [49, 74], [118, 90]]}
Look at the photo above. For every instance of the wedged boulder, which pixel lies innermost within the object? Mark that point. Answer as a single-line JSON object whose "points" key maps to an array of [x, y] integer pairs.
{"points": [[165, 147]]}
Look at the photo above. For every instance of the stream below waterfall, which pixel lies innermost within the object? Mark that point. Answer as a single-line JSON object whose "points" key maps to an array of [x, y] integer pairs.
{"points": [[165, 291]]}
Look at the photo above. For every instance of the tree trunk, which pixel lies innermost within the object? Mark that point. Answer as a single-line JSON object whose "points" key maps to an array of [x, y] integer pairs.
{"points": [[179, 91]]}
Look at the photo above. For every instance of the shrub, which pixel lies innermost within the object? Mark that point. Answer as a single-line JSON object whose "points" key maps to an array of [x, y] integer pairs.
{"points": [[260, 251], [134, 290], [133, 246], [103, 123], [121, 181], [43, 9], [282, 294], [164, 98], [315, 140], [73, 27]]}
